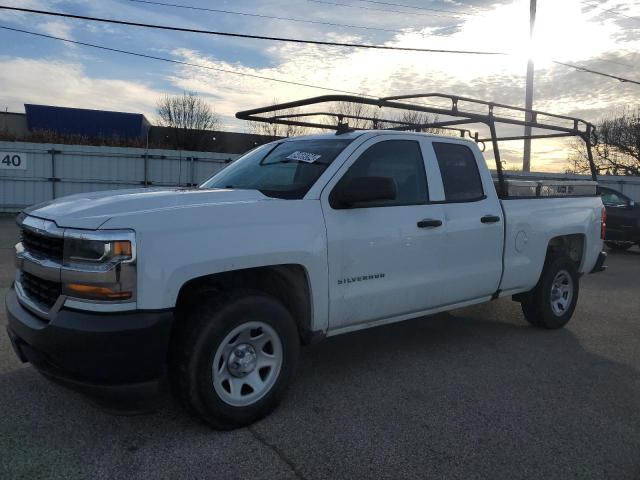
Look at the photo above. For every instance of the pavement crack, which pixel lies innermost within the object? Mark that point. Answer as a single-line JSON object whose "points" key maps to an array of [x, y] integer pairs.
{"points": [[281, 455]]}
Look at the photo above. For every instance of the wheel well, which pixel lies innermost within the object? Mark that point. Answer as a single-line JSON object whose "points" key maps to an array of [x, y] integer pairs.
{"points": [[569, 245], [288, 283]]}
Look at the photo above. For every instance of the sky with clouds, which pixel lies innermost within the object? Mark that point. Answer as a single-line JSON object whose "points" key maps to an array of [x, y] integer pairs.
{"points": [[600, 35]]}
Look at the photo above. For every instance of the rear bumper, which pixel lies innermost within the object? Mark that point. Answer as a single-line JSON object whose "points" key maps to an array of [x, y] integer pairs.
{"points": [[116, 358], [600, 266], [623, 234]]}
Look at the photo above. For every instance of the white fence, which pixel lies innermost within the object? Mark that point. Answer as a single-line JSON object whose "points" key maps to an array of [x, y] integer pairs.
{"points": [[35, 172]]}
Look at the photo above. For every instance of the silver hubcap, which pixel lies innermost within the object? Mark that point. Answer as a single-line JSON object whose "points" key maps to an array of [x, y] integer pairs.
{"points": [[247, 363], [561, 293]]}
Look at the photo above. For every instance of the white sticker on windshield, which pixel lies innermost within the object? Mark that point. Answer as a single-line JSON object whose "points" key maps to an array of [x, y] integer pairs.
{"points": [[304, 156]]}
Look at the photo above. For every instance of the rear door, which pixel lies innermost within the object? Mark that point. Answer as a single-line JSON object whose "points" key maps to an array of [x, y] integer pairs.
{"points": [[383, 257], [473, 220]]}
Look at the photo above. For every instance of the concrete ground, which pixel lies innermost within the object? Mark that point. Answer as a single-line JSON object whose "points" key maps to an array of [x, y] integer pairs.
{"points": [[475, 393]]}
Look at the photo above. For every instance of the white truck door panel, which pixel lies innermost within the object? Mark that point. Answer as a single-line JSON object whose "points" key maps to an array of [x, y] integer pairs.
{"points": [[381, 263], [473, 252], [474, 223]]}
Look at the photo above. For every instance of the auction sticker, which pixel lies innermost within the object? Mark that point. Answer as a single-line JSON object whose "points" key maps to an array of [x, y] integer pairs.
{"points": [[304, 156]]}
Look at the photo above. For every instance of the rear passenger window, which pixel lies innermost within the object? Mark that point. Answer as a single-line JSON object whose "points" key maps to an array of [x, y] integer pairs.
{"points": [[459, 170], [400, 160]]}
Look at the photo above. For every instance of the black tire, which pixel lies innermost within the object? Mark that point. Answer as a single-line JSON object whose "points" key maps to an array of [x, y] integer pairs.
{"points": [[620, 246], [537, 304], [196, 342]]}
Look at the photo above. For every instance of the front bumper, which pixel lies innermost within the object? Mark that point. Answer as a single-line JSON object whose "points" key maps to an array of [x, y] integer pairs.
{"points": [[600, 266], [117, 358]]}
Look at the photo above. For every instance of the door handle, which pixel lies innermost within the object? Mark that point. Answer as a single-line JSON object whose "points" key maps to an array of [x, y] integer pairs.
{"points": [[429, 223], [490, 219]]}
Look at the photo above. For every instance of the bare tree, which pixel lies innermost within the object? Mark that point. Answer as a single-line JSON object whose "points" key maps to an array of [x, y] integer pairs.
{"points": [[357, 115], [277, 130], [618, 148], [412, 117], [188, 117]]}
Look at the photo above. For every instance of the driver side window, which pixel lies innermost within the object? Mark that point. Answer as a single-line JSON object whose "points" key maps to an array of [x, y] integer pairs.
{"points": [[400, 160]]}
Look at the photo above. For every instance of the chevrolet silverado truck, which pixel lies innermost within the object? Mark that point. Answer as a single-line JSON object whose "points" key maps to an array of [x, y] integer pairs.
{"points": [[215, 288]]}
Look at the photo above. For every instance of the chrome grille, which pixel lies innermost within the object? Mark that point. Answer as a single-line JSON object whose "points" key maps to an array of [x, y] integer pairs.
{"points": [[42, 245], [41, 291]]}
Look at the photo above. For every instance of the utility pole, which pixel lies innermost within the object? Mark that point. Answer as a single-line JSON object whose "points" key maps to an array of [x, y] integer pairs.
{"points": [[528, 96]]}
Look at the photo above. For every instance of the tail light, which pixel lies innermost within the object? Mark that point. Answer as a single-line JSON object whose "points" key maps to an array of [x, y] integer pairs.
{"points": [[603, 223]]}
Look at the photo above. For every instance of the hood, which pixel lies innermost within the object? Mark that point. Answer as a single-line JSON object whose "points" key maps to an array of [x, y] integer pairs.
{"points": [[91, 210]]}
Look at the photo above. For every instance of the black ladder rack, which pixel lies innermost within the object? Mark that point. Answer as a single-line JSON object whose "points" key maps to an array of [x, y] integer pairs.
{"points": [[324, 118]]}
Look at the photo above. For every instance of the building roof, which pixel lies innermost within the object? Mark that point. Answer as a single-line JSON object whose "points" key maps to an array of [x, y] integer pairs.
{"points": [[82, 121]]}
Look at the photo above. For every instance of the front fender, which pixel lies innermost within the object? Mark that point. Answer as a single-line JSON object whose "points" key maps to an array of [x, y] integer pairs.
{"points": [[176, 246]]}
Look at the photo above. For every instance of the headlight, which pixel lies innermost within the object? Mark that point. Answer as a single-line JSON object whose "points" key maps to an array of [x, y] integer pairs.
{"points": [[110, 246], [99, 265], [100, 251]]}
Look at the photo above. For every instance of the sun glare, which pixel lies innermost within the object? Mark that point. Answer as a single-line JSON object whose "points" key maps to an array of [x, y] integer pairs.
{"points": [[563, 31]]}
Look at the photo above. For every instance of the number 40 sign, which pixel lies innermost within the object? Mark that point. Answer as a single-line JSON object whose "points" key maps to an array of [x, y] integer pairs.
{"points": [[13, 161]]}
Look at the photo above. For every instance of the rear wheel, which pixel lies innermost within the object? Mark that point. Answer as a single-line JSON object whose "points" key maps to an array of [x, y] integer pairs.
{"points": [[552, 302], [234, 358], [618, 245]]}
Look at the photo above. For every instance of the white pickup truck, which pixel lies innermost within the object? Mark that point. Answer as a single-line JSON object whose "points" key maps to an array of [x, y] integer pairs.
{"points": [[299, 239]]}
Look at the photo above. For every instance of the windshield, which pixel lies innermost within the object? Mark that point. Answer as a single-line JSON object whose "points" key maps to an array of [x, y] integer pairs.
{"points": [[285, 170]]}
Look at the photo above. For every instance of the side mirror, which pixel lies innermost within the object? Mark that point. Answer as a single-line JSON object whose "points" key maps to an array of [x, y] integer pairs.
{"points": [[363, 190]]}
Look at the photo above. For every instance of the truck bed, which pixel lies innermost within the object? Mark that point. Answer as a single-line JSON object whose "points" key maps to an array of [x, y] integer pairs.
{"points": [[532, 222]]}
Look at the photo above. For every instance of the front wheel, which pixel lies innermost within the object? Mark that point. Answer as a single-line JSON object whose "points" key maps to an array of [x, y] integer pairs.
{"points": [[234, 358], [552, 302]]}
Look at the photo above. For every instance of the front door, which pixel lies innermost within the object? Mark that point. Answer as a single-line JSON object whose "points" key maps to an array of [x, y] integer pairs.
{"points": [[384, 256]]}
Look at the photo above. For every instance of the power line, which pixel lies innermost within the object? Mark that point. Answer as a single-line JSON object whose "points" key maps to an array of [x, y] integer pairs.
{"points": [[362, 7], [257, 15], [415, 7], [207, 67], [179, 62], [250, 75], [586, 70], [196, 65], [261, 77], [244, 35]]}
